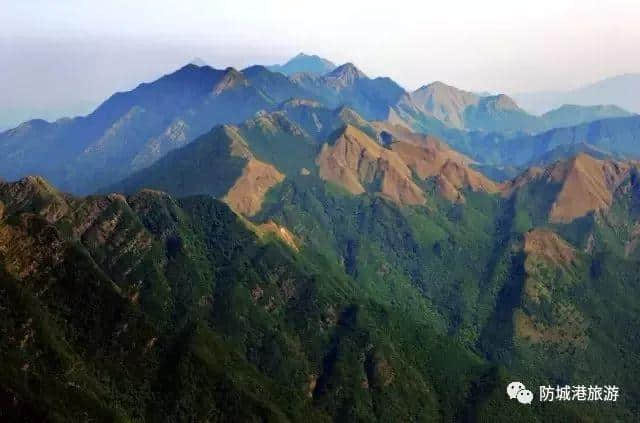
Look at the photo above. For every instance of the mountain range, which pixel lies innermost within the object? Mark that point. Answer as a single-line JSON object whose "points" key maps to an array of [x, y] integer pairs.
{"points": [[132, 130], [247, 245], [464, 110]]}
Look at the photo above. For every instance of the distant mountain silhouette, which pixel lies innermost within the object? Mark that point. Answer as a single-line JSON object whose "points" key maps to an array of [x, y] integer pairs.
{"points": [[347, 85], [621, 91], [132, 130], [304, 63], [459, 109]]}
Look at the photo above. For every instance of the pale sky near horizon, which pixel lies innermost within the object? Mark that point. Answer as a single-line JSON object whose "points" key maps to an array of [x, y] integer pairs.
{"points": [[62, 55]]}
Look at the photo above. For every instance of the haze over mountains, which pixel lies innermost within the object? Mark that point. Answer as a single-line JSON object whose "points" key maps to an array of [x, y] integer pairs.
{"points": [[621, 90], [307, 243], [132, 130]]}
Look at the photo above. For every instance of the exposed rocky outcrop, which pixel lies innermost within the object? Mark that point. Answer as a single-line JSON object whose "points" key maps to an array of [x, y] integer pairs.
{"points": [[428, 157], [247, 194], [35, 194], [587, 185], [355, 161], [280, 232], [546, 244], [443, 102]]}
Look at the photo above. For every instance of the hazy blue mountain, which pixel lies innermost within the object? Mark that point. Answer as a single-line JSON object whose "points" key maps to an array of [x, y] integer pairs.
{"points": [[566, 151], [500, 156], [131, 130], [349, 86], [464, 110], [571, 115], [276, 86], [616, 137], [621, 90], [319, 122], [304, 63], [500, 113], [439, 101], [541, 158], [499, 173], [12, 116], [214, 162]]}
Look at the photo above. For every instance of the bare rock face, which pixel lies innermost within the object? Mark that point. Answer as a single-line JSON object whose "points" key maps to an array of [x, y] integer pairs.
{"points": [[247, 194], [530, 175], [502, 102], [444, 102], [428, 157], [548, 245], [237, 146], [272, 228], [176, 135], [344, 76], [588, 185], [25, 255], [36, 194], [355, 161], [231, 79]]}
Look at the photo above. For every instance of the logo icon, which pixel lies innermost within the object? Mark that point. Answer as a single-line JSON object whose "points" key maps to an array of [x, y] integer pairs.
{"points": [[518, 391], [525, 396]]}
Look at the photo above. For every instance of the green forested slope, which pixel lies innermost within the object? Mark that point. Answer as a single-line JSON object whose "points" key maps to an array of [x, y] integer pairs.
{"points": [[150, 309]]}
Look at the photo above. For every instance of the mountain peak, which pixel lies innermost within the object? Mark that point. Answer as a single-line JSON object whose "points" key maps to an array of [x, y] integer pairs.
{"points": [[198, 62], [355, 161], [348, 70], [303, 55], [200, 77], [500, 102], [437, 85], [254, 69], [443, 102], [304, 63], [33, 193], [587, 185], [344, 76], [429, 157], [232, 78]]}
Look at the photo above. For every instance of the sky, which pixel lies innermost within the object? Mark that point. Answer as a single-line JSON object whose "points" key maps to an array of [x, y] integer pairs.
{"points": [[61, 57]]}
